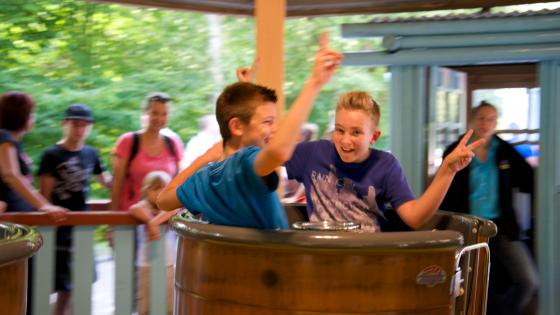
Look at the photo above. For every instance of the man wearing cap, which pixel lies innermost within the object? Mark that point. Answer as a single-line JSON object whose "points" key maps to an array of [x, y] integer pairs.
{"points": [[64, 172]]}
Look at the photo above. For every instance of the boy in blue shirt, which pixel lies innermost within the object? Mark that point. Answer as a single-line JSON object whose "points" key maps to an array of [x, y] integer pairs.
{"points": [[240, 189]]}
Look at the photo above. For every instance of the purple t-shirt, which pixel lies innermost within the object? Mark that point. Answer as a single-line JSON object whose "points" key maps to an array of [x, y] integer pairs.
{"points": [[341, 191]]}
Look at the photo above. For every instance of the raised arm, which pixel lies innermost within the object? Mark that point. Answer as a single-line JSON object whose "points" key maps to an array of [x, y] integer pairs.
{"points": [[282, 144], [167, 199], [417, 212]]}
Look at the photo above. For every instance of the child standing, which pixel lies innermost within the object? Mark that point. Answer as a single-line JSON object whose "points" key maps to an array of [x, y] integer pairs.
{"points": [[240, 189], [146, 211], [64, 173]]}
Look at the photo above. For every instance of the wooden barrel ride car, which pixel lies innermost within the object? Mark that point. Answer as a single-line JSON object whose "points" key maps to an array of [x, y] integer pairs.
{"points": [[474, 265], [17, 244], [232, 270]]}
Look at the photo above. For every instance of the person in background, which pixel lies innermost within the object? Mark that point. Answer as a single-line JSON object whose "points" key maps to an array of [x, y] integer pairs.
{"points": [[138, 153], [16, 191], [485, 189], [147, 212], [3, 206], [64, 172], [17, 118], [208, 135]]}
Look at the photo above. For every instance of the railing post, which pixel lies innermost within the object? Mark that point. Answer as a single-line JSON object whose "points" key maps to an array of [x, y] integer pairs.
{"points": [[158, 275], [124, 268], [82, 268], [43, 271]]}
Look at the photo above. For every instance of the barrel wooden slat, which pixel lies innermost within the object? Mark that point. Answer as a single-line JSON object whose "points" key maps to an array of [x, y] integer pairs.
{"points": [[13, 288], [18, 243]]}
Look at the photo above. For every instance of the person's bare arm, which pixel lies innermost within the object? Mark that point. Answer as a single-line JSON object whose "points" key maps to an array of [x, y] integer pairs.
{"points": [[282, 145], [11, 175], [167, 199], [46, 183], [156, 221], [141, 212], [105, 179], [119, 176], [416, 213]]}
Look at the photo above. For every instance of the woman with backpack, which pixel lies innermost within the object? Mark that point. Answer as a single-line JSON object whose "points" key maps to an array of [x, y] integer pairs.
{"points": [[138, 153]]}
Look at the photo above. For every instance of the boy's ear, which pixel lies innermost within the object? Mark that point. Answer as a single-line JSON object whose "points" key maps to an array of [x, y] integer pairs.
{"points": [[376, 135], [235, 127]]}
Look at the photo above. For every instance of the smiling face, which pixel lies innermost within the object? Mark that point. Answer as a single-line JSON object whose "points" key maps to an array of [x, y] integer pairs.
{"points": [[261, 127], [157, 115], [354, 132]]}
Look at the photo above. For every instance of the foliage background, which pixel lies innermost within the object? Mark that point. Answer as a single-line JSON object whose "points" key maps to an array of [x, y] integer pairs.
{"points": [[111, 56]]}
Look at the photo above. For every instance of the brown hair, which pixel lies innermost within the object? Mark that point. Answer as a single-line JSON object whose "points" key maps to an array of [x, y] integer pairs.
{"points": [[240, 100], [15, 110], [154, 180], [155, 97], [360, 100]]}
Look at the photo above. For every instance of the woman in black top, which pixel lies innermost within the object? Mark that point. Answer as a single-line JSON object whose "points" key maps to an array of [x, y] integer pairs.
{"points": [[16, 118]]}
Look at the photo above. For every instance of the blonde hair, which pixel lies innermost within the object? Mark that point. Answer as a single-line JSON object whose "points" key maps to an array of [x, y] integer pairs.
{"points": [[360, 100], [154, 180]]}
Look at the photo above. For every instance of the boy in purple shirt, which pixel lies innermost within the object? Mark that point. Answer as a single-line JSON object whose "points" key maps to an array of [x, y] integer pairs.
{"points": [[346, 180]]}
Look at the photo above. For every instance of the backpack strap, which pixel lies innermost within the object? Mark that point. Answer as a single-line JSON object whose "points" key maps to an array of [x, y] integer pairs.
{"points": [[134, 147], [171, 148]]}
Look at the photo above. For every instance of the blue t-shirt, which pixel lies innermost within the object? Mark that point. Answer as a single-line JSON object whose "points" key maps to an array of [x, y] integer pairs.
{"points": [[231, 193], [483, 181], [15, 203], [339, 191]]}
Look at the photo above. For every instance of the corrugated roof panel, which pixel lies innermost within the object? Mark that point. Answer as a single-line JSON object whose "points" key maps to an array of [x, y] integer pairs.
{"points": [[458, 17]]}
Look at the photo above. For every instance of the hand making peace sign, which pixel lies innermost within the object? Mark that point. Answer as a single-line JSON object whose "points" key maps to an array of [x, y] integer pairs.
{"points": [[462, 155]]}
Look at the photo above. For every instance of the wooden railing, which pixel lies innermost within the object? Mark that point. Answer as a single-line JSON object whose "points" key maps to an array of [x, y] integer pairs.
{"points": [[85, 223]]}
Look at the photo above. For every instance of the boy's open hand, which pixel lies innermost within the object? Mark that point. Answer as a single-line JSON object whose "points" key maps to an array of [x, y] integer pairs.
{"points": [[459, 158], [326, 61]]}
